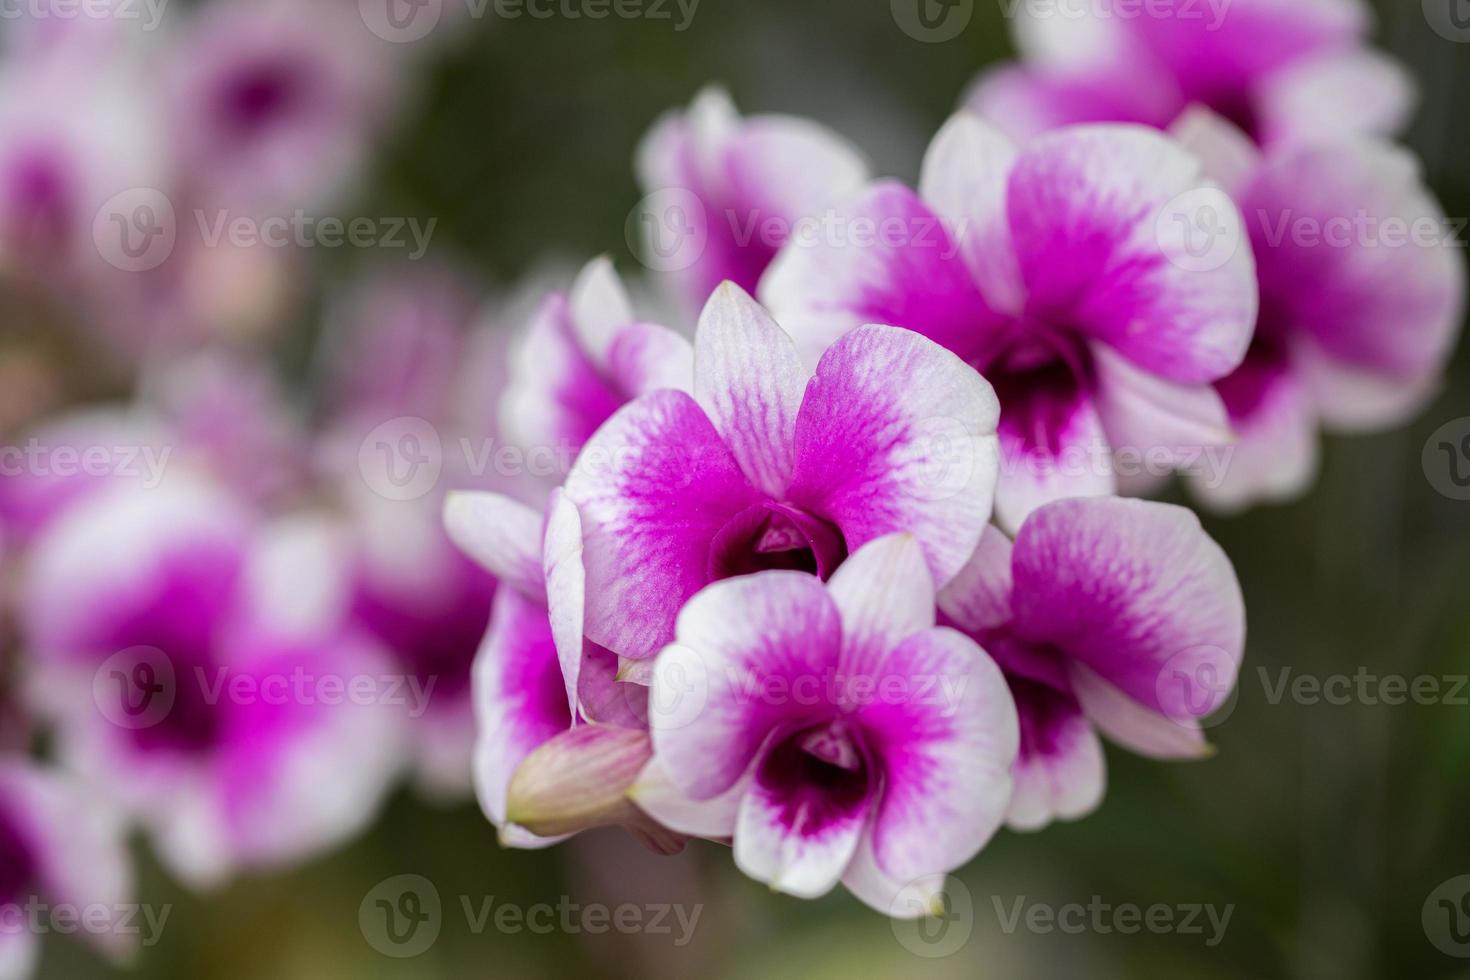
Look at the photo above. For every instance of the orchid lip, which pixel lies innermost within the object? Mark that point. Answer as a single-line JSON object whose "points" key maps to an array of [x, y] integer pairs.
{"points": [[771, 535]]}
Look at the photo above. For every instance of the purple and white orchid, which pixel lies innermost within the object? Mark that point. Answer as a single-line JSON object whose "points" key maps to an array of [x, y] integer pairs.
{"points": [[725, 193], [840, 735], [1282, 70], [1111, 615], [767, 465], [1362, 296], [1064, 271], [539, 684], [583, 356], [64, 850], [202, 669]]}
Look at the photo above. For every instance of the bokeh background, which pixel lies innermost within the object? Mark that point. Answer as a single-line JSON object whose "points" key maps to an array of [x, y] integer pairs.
{"points": [[1324, 827]]}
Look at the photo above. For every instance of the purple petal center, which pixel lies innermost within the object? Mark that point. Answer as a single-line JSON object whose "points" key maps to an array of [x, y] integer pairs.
{"points": [[820, 775], [17, 860], [776, 536]]}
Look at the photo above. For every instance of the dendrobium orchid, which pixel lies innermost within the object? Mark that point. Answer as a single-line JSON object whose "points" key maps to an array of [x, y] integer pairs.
{"points": [[582, 357], [202, 669], [1362, 297], [275, 104], [1111, 615], [64, 849], [1064, 271], [536, 676], [1282, 70], [841, 735], [725, 193], [768, 466]]}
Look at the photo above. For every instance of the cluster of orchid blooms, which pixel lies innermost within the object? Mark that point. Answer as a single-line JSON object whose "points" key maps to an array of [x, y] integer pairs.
{"points": [[823, 582]]}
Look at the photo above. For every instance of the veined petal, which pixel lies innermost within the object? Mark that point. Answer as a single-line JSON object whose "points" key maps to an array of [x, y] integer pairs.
{"points": [[656, 793], [598, 306], [945, 748], [1138, 594], [566, 589], [1275, 454], [654, 487], [502, 535], [556, 396], [749, 380], [1154, 417], [1060, 773], [797, 836], [979, 597], [1093, 214], [884, 594], [913, 277], [898, 435], [965, 175], [746, 649], [520, 703], [1053, 446]]}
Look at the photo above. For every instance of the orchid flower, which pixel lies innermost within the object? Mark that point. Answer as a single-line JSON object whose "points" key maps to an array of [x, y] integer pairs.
{"points": [[1065, 272], [541, 689], [725, 193], [202, 669], [1362, 297], [1107, 615], [1282, 70], [767, 465], [60, 846], [274, 105], [840, 734], [582, 357]]}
